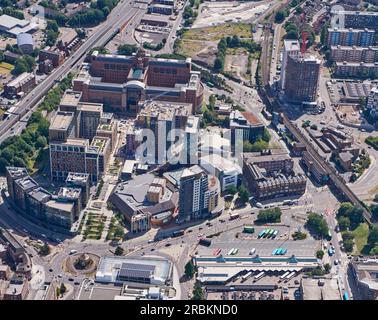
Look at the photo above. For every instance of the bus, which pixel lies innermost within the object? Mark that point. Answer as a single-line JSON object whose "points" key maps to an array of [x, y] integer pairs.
{"points": [[270, 233], [249, 229], [216, 252], [246, 276], [266, 233], [345, 296], [274, 252], [274, 234], [284, 275], [279, 250], [236, 250], [234, 216], [261, 234], [283, 251], [290, 276], [230, 252], [259, 276]]}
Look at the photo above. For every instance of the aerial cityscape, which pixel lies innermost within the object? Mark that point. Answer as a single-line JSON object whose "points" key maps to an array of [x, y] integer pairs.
{"points": [[188, 150]]}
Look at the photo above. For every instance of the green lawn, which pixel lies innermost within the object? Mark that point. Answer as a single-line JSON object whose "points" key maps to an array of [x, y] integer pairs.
{"points": [[360, 236]]}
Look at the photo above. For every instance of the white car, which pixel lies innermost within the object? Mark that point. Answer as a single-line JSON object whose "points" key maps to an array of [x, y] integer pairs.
{"points": [[252, 252], [336, 262]]}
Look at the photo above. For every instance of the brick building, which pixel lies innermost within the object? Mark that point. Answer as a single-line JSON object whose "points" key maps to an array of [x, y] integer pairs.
{"points": [[122, 82]]}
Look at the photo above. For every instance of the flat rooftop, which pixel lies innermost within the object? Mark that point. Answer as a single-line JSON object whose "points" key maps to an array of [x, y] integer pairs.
{"points": [[40, 194], [61, 121], [110, 266], [91, 107], [77, 177], [71, 98], [62, 206]]}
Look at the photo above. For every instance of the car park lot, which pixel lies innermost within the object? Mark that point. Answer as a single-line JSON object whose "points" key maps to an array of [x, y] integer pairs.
{"points": [[264, 247]]}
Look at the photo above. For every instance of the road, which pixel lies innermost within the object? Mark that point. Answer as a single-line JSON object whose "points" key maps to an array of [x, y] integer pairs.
{"points": [[123, 12]]}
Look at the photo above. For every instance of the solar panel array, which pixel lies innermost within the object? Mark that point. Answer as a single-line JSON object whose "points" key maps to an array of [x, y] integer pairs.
{"points": [[134, 270]]}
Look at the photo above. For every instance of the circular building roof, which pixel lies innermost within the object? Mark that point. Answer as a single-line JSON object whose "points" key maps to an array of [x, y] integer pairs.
{"points": [[24, 38]]}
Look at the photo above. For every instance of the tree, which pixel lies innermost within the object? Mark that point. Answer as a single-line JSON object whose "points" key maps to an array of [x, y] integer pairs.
{"points": [[218, 65], [327, 268], [119, 251], [376, 198], [126, 49], [373, 236], [344, 223], [231, 190], [320, 254], [348, 245], [62, 289], [41, 142], [190, 269], [279, 16], [265, 135], [317, 224], [272, 215], [198, 293], [243, 194], [374, 211], [292, 35]]}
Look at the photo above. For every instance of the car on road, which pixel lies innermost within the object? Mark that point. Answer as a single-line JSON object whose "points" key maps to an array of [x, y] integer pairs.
{"points": [[168, 244], [70, 279], [336, 262], [51, 270], [151, 241], [76, 283]]}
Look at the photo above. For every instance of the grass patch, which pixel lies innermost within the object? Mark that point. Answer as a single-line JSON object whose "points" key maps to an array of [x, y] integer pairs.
{"points": [[215, 33], [6, 68], [360, 236]]}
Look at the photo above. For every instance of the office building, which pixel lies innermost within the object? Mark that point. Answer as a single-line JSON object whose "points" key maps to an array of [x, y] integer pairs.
{"points": [[226, 170], [90, 115], [244, 126], [302, 79], [62, 127], [79, 180], [123, 83], [161, 118], [350, 37], [291, 49]]}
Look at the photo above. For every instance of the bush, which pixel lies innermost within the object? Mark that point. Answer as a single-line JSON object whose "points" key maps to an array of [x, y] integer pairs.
{"points": [[299, 235], [269, 215]]}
